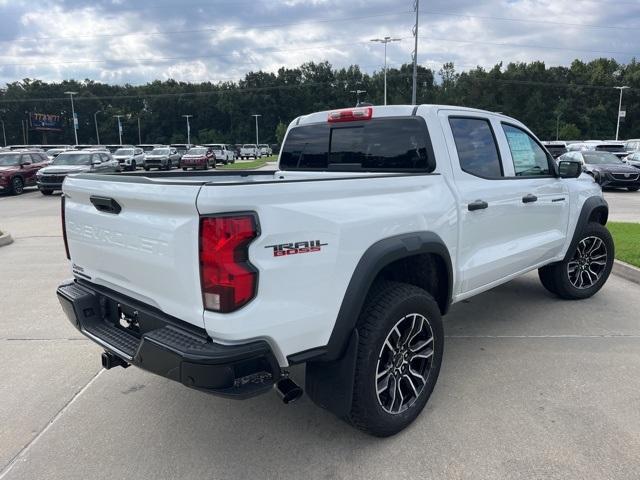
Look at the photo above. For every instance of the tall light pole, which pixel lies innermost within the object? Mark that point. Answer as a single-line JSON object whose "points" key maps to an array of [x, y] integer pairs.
{"points": [[73, 114], [95, 121], [385, 40], [416, 7], [188, 130], [619, 109], [139, 135], [358, 92], [257, 136], [4, 134], [119, 127]]}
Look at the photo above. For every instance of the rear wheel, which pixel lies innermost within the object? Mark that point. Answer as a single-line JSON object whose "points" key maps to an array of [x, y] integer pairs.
{"points": [[146, 169], [588, 268], [46, 192], [17, 186], [401, 341], [633, 189]]}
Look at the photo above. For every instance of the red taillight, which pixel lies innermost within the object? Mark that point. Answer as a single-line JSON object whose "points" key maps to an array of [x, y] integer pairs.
{"points": [[64, 227], [228, 280], [350, 115]]}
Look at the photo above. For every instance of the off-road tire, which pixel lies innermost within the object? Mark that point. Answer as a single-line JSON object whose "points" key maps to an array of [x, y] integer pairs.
{"points": [[386, 305], [556, 278]]}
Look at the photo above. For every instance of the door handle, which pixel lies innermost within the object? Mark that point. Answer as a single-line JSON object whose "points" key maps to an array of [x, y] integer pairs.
{"points": [[477, 205], [529, 198]]}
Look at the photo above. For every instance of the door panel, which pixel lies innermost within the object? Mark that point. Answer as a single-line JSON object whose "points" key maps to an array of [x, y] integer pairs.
{"points": [[509, 235]]}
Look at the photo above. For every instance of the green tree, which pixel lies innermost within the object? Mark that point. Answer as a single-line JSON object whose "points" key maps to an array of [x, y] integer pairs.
{"points": [[569, 131], [281, 131]]}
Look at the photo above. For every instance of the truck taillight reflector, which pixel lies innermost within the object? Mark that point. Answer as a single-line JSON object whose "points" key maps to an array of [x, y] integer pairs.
{"points": [[350, 115], [228, 279], [64, 226]]}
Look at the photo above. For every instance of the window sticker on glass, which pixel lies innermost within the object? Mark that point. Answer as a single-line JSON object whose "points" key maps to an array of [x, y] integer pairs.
{"points": [[521, 151]]}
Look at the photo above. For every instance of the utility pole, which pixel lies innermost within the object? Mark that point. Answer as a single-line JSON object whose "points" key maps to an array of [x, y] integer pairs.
{"points": [[557, 127], [188, 130], [73, 113], [619, 109], [358, 92], [119, 127], [385, 40], [257, 130], [24, 134], [416, 7], [95, 121], [139, 135]]}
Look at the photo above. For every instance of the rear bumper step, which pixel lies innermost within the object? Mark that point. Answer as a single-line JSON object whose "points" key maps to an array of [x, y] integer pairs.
{"points": [[141, 336]]}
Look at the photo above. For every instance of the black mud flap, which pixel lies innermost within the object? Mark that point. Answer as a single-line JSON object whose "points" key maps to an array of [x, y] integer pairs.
{"points": [[330, 384]]}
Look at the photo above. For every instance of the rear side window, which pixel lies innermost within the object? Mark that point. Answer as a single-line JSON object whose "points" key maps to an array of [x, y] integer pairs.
{"points": [[476, 146], [393, 144], [529, 158]]}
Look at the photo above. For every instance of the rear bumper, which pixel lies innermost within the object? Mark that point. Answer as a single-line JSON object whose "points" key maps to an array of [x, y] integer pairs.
{"points": [[167, 346]]}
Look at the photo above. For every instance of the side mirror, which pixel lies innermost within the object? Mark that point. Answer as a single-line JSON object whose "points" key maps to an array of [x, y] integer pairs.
{"points": [[96, 162], [569, 169]]}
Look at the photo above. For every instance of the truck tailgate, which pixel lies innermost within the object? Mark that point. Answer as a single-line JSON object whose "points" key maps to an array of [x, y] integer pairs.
{"points": [[148, 250]]}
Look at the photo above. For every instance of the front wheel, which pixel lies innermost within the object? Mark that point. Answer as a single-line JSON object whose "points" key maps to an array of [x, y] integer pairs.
{"points": [[46, 192], [633, 189], [146, 169], [401, 341], [586, 270]]}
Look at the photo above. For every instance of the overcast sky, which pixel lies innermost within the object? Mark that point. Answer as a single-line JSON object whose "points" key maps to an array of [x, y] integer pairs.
{"points": [[120, 41]]}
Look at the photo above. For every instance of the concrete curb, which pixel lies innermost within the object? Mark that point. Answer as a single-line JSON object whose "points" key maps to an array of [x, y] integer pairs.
{"points": [[626, 271], [5, 239]]}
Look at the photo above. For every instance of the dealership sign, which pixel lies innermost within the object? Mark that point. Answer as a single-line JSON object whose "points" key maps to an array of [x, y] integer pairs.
{"points": [[44, 122]]}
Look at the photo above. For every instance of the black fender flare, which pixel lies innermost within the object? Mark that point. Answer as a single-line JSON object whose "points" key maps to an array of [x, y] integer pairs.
{"points": [[374, 259], [593, 207]]}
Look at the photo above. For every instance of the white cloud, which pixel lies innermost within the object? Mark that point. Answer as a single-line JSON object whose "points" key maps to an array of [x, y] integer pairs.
{"points": [[111, 41]]}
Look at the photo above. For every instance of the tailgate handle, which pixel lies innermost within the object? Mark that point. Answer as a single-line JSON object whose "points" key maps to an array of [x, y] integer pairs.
{"points": [[106, 205]]}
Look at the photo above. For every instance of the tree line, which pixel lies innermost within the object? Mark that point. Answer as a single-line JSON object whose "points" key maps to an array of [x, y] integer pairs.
{"points": [[574, 102]]}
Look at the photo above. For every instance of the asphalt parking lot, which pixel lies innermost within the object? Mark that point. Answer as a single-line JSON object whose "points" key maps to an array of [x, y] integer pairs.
{"points": [[531, 387]]}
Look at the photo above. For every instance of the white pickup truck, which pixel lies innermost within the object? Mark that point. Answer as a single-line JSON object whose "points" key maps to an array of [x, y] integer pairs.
{"points": [[345, 258], [249, 150]]}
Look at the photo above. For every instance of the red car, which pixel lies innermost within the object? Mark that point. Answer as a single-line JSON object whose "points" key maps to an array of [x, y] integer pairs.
{"points": [[18, 170], [198, 157]]}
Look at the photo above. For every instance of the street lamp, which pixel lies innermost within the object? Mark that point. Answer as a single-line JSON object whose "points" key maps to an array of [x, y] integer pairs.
{"points": [[73, 113], [385, 40], [619, 108], [119, 127], [357, 92], [188, 130], [257, 136], [95, 120]]}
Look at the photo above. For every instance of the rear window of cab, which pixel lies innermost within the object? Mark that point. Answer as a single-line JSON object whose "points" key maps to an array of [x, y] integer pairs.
{"points": [[396, 144]]}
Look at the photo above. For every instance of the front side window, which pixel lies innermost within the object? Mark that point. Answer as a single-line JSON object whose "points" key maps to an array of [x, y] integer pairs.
{"points": [[476, 146], [529, 158]]}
